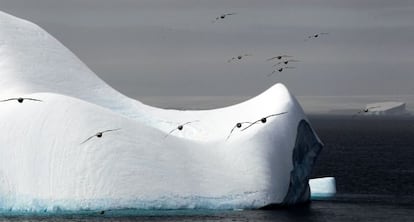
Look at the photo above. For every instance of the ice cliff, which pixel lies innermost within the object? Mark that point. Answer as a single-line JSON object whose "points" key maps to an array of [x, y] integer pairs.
{"points": [[45, 166]]}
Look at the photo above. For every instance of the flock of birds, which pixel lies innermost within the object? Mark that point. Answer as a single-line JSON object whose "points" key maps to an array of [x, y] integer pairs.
{"points": [[279, 66], [236, 126], [282, 60]]}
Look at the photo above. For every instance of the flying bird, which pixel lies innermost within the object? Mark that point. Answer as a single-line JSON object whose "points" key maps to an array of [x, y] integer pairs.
{"points": [[285, 62], [223, 16], [278, 57], [238, 125], [239, 57], [314, 36], [368, 109], [99, 134], [21, 99], [263, 120], [280, 70], [180, 127]]}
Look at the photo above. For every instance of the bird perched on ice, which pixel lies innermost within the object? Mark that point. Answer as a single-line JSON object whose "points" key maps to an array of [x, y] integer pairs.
{"points": [[100, 134], [279, 57], [239, 57], [314, 36], [263, 120], [180, 127], [280, 70], [238, 125], [21, 99], [222, 16], [285, 62]]}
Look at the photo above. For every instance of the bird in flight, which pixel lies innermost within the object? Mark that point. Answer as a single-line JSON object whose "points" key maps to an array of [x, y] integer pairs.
{"points": [[278, 57], [285, 62], [314, 36], [368, 109], [280, 70], [239, 57], [238, 125], [263, 120], [180, 127], [99, 134], [21, 99], [223, 16]]}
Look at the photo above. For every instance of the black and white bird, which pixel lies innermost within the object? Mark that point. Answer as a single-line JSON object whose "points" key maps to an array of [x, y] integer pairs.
{"points": [[314, 36], [99, 134], [223, 16], [279, 57], [181, 127], [239, 57], [238, 125], [263, 120], [285, 62], [21, 99], [280, 70]]}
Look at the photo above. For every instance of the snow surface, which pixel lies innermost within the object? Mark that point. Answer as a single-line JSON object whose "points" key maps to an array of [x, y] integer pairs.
{"points": [[44, 166]]}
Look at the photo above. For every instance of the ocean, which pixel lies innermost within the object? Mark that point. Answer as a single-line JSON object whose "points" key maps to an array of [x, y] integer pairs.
{"points": [[372, 160]]}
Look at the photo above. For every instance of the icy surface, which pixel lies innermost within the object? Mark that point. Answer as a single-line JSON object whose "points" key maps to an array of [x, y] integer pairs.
{"points": [[322, 188], [45, 165]]}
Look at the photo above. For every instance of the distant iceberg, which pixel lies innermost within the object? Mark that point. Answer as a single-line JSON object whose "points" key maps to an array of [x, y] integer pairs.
{"points": [[386, 108], [146, 164]]}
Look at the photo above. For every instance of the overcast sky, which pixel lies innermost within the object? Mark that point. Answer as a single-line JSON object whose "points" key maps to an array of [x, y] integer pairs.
{"points": [[171, 47]]}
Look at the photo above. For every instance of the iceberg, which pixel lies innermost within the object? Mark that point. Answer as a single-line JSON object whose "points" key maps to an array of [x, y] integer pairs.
{"points": [[322, 188], [54, 159], [386, 108]]}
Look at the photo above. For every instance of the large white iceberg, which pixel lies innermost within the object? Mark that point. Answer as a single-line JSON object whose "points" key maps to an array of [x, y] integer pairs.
{"points": [[45, 166]]}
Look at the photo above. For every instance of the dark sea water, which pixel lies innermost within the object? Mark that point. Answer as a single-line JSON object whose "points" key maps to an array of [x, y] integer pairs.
{"points": [[372, 160]]}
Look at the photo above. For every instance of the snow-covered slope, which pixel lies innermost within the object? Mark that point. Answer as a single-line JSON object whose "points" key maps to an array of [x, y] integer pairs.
{"points": [[45, 163]]}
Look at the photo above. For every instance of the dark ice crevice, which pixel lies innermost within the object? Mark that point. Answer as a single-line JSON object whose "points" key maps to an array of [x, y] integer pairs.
{"points": [[306, 150]]}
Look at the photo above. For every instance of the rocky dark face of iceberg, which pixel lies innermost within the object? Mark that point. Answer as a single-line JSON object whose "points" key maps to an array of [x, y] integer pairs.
{"points": [[305, 153], [306, 150]]}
